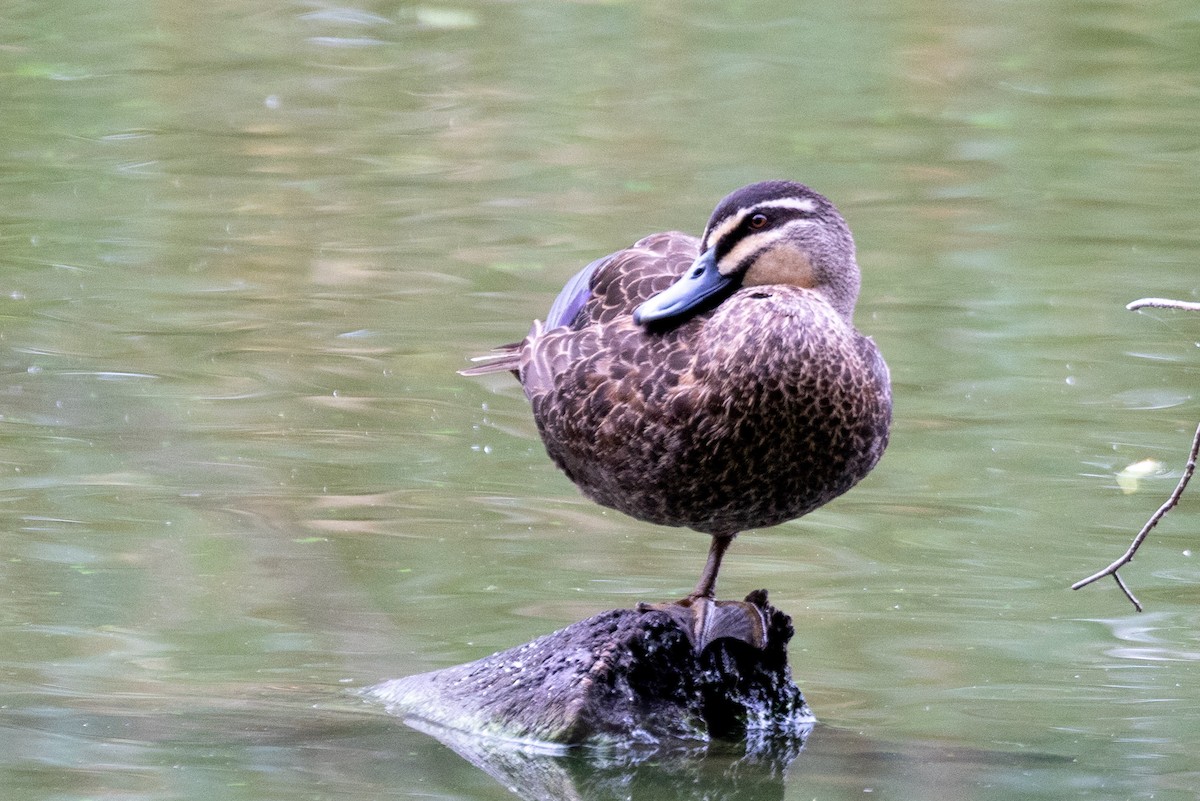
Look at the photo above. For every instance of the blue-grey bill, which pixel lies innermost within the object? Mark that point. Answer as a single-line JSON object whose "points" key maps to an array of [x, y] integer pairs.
{"points": [[701, 281]]}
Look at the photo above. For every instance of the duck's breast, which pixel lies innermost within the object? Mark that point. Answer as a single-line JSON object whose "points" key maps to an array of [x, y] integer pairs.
{"points": [[745, 416]]}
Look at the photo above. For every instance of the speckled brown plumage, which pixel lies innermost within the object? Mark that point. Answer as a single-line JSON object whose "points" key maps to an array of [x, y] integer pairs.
{"points": [[755, 409], [748, 415]]}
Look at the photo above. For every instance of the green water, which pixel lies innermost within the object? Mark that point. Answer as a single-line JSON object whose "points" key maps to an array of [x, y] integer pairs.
{"points": [[244, 248]]}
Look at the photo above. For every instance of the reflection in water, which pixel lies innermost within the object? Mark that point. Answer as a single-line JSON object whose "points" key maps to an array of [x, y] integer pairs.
{"points": [[1145, 638], [757, 770], [713, 772]]}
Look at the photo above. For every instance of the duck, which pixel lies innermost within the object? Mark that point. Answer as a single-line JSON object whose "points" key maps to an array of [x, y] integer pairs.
{"points": [[714, 382]]}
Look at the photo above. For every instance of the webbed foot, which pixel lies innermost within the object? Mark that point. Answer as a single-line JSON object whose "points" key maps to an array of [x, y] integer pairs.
{"points": [[705, 619]]}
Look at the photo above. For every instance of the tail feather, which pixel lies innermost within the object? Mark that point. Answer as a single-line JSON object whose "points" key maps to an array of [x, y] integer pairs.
{"points": [[501, 359]]}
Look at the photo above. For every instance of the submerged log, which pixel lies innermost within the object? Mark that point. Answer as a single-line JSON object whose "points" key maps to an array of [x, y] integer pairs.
{"points": [[626, 677]]}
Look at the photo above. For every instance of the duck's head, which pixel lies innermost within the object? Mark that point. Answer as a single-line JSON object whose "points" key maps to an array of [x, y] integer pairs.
{"points": [[775, 232]]}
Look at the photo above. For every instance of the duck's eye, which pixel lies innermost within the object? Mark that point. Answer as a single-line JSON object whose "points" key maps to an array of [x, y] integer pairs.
{"points": [[758, 221]]}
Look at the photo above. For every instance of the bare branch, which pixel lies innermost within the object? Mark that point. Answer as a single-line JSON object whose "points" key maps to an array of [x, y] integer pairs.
{"points": [[1128, 593], [1163, 303], [1127, 557], [1188, 470]]}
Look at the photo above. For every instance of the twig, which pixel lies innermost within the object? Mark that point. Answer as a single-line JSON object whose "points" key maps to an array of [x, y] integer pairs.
{"points": [[1163, 303], [1128, 592], [1127, 557], [1188, 470]]}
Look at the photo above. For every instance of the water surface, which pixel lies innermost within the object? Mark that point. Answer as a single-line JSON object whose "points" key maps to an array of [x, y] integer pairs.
{"points": [[245, 249]]}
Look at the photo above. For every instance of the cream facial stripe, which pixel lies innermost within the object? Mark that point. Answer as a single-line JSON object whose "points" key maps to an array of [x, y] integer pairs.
{"points": [[716, 234], [805, 205], [756, 243]]}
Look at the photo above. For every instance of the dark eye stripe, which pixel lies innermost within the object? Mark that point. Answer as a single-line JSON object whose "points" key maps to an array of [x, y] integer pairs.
{"points": [[720, 234]]}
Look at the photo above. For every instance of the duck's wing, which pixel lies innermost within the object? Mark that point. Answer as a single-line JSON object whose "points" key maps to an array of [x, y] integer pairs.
{"points": [[566, 307], [601, 293], [570, 301], [600, 335], [622, 281], [574, 295]]}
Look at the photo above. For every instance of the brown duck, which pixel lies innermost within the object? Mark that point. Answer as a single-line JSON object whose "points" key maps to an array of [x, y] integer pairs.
{"points": [[716, 383]]}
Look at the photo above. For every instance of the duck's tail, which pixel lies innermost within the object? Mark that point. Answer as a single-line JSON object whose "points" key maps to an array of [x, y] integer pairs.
{"points": [[504, 357]]}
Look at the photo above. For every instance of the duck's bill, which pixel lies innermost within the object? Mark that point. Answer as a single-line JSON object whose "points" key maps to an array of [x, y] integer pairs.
{"points": [[701, 283]]}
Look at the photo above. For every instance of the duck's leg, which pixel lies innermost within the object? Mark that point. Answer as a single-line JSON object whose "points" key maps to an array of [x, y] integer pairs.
{"points": [[706, 619], [715, 619], [707, 586]]}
